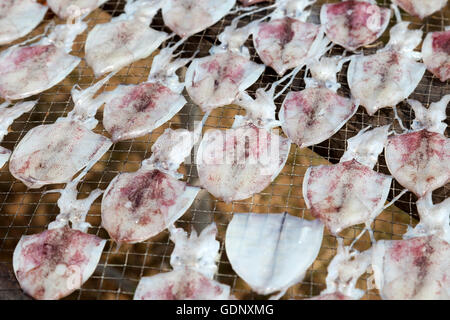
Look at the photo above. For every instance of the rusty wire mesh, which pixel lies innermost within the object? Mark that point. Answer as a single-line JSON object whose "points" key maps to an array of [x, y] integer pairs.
{"points": [[28, 211]]}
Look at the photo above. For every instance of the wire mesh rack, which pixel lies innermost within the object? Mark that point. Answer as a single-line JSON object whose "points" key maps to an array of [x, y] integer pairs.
{"points": [[26, 211]]}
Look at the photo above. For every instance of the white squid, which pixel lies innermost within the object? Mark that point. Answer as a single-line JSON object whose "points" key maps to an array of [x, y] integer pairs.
{"points": [[216, 80], [236, 163], [350, 192], [141, 204], [18, 18], [436, 53], [316, 113], [26, 70], [389, 76], [420, 159], [194, 264], [187, 17], [134, 110], [355, 23], [287, 41], [125, 39], [52, 264], [54, 153], [272, 252]]}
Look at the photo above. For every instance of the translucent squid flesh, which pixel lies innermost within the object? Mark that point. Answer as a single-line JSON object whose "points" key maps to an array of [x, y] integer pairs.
{"points": [[194, 265], [26, 70], [134, 110], [436, 54], [389, 76], [434, 219], [54, 153], [215, 81], [7, 116], [288, 41], [350, 192], [344, 270], [53, 264], [316, 113], [419, 160], [18, 18], [187, 17], [125, 39], [354, 24], [272, 252], [139, 205], [236, 163], [421, 8], [416, 268], [72, 8]]}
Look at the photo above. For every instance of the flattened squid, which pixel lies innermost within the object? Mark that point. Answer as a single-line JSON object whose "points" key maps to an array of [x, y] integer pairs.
{"points": [[350, 192], [420, 159], [414, 268], [125, 39], [7, 116], [216, 80], [52, 264], [287, 40], [355, 23], [134, 110], [272, 252], [436, 53], [70, 8], [194, 264], [236, 163], [420, 8], [389, 76], [316, 113], [139, 205], [26, 70], [54, 153], [18, 18], [187, 17]]}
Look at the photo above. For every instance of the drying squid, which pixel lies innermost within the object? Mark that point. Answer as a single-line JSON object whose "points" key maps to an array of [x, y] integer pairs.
{"points": [[414, 268], [350, 192], [316, 113], [134, 110], [420, 159], [390, 75], [139, 205], [125, 39], [436, 53], [7, 116], [52, 264], [26, 70], [54, 153], [216, 80], [236, 163], [434, 218], [70, 8], [344, 271], [187, 17], [18, 18], [287, 40], [420, 8], [355, 23], [272, 252], [194, 264]]}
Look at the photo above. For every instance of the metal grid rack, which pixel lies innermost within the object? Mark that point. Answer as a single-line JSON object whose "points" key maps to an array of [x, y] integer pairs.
{"points": [[28, 211]]}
